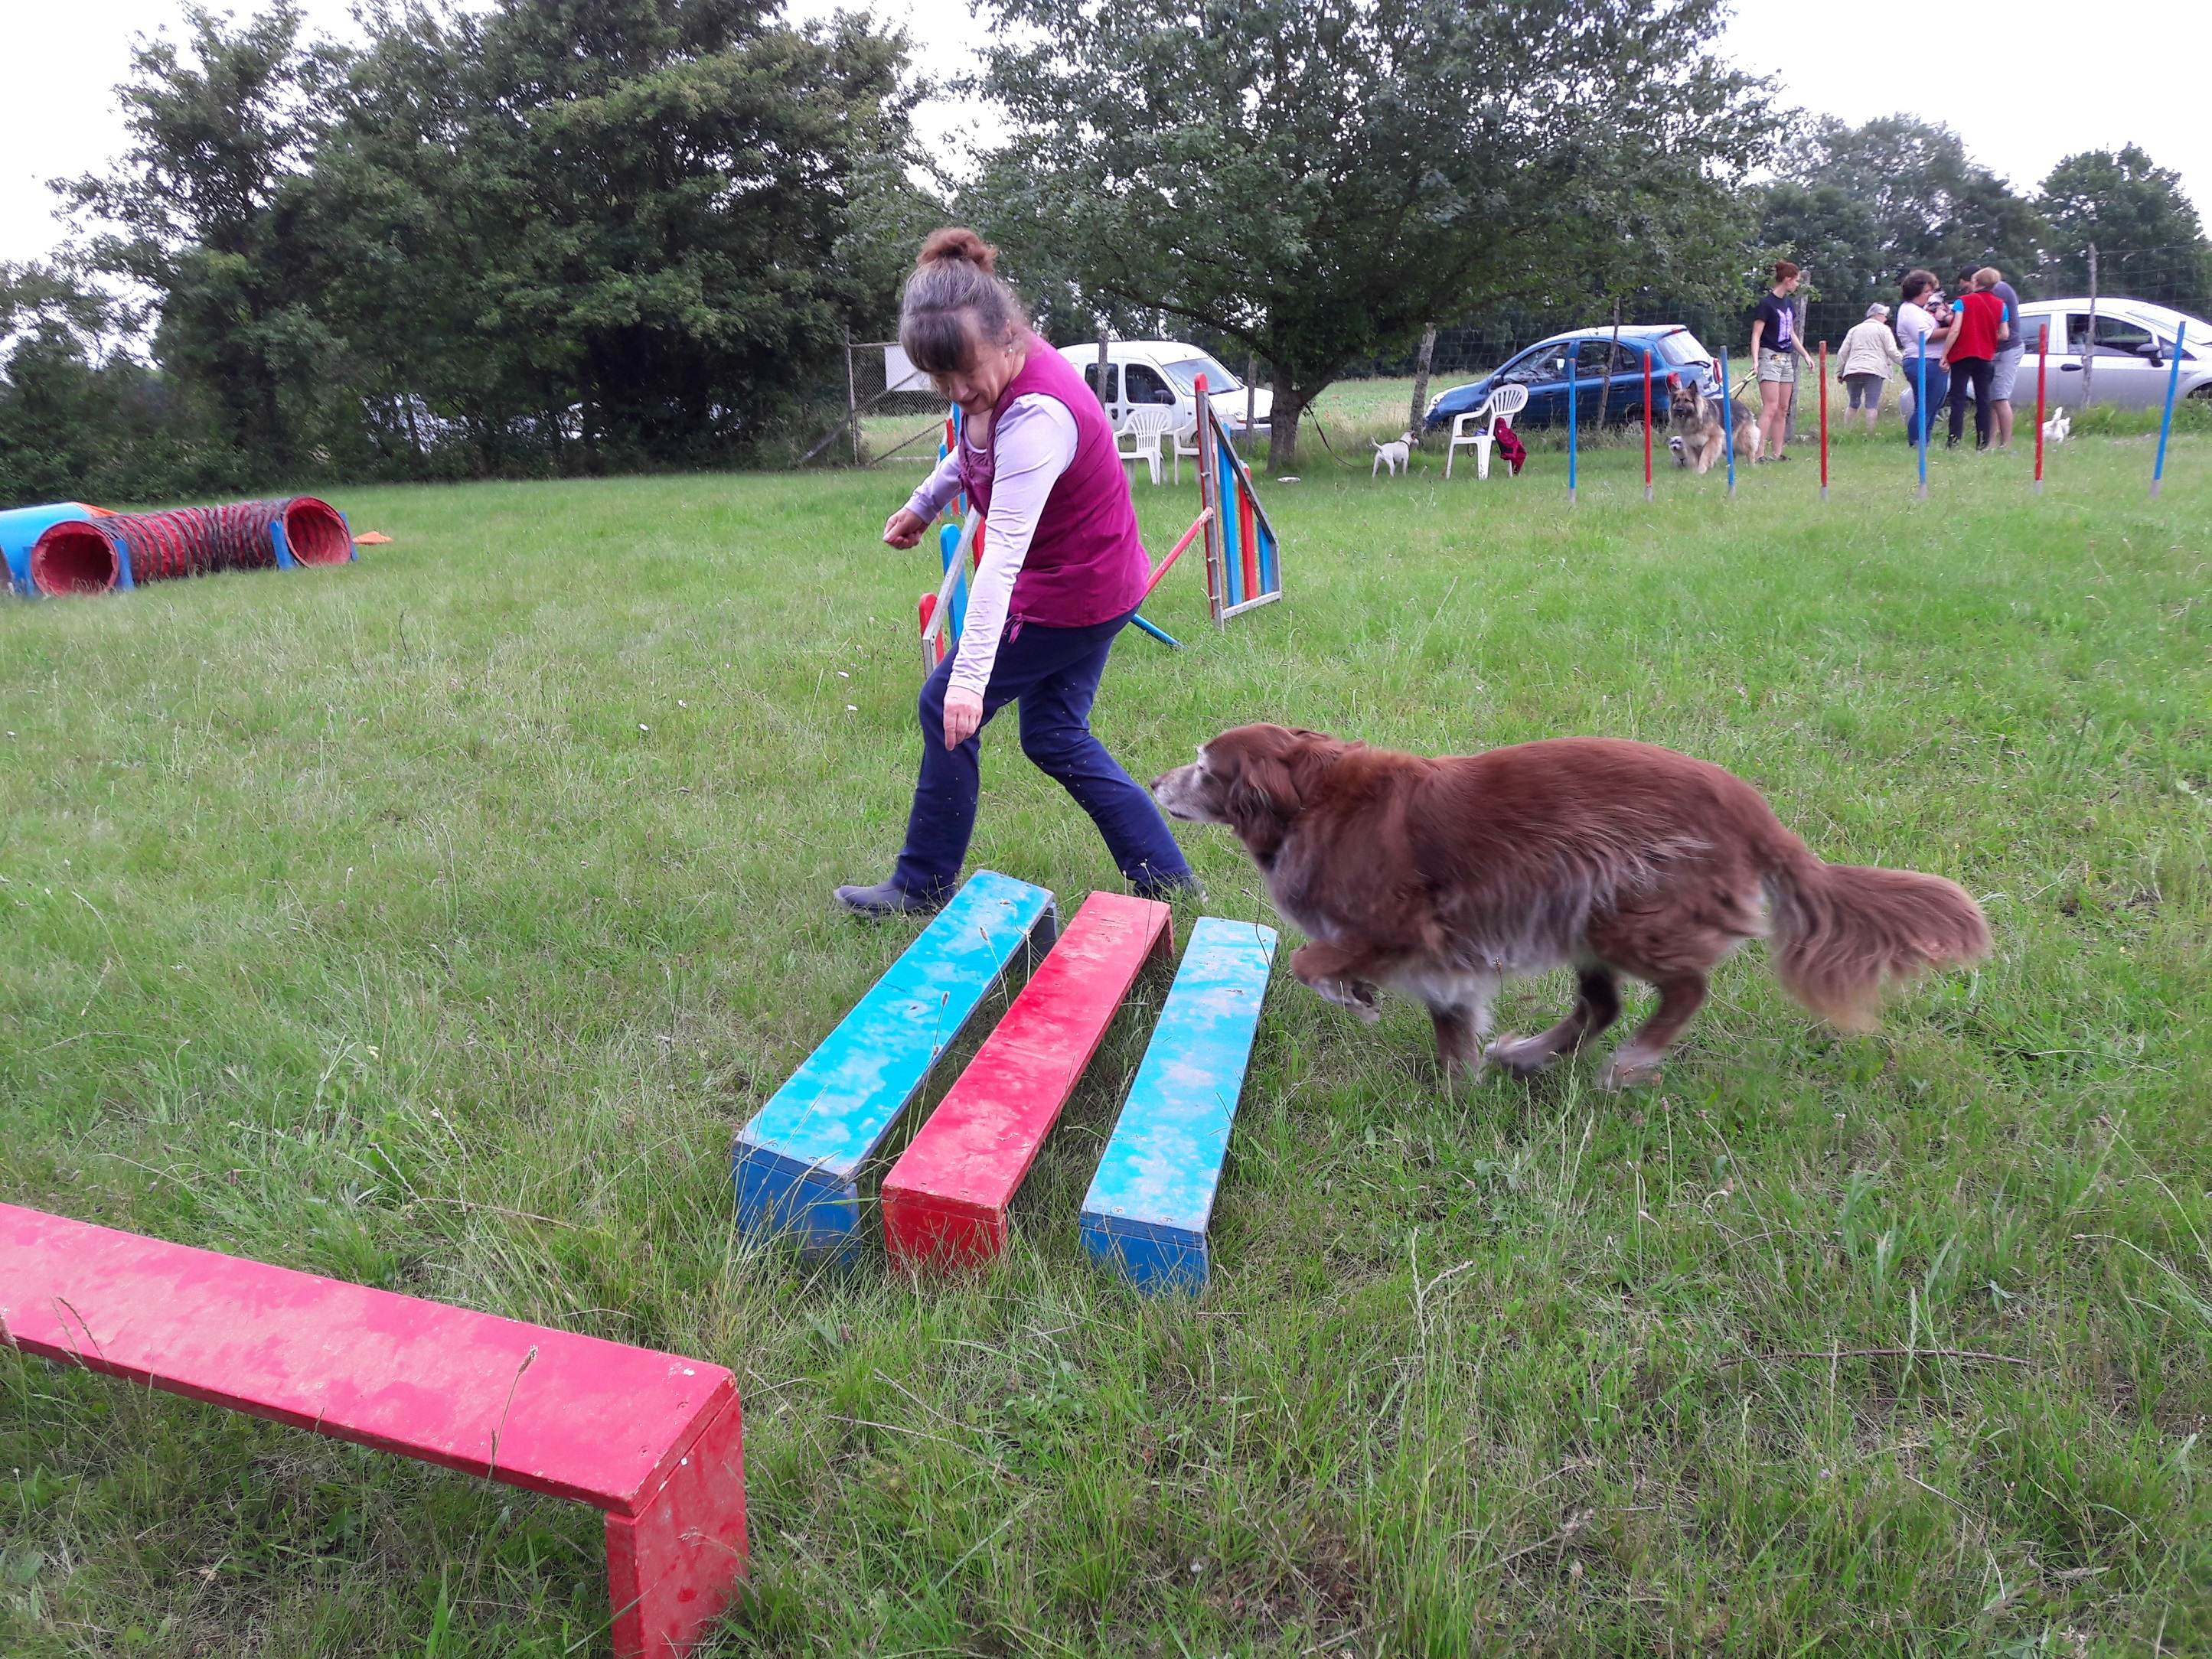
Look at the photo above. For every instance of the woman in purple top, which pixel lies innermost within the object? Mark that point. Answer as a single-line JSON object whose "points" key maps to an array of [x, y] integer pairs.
{"points": [[1061, 571]]}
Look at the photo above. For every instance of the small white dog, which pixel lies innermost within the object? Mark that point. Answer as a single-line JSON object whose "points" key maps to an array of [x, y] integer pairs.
{"points": [[1394, 455], [2054, 429]]}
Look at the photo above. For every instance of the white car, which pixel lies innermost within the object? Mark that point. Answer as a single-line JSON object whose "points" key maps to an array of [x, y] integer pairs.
{"points": [[2127, 365], [1165, 372]]}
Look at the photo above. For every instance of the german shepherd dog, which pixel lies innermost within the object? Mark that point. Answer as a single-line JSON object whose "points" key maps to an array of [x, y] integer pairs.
{"points": [[1700, 439]]}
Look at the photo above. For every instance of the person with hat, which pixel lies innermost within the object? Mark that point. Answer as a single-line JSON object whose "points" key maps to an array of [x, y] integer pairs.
{"points": [[1867, 354]]}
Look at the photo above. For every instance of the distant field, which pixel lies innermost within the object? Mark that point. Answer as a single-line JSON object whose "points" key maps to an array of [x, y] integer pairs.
{"points": [[436, 921]]}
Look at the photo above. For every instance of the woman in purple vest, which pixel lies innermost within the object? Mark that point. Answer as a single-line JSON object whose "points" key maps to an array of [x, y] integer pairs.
{"points": [[1062, 571]]}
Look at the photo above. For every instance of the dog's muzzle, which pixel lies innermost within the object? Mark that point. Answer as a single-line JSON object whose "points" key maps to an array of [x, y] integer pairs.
{"points": [[1181, 794]]}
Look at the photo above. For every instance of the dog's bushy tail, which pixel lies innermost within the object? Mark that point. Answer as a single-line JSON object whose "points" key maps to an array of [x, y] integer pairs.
{"points": [[1843, 932]]}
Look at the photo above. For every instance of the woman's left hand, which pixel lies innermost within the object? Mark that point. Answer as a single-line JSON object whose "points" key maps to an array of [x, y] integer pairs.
{"points": [[963, 716]]}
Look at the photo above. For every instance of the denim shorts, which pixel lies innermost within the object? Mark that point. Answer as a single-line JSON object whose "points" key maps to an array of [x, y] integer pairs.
{"points": [[1781, 366], [2007, 365]]}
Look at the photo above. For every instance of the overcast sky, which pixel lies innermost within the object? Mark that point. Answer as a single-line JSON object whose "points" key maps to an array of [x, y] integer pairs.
{"points": [[2023, 83]]}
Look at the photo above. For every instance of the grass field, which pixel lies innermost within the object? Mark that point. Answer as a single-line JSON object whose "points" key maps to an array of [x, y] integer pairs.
{"points": [[435, 922]]}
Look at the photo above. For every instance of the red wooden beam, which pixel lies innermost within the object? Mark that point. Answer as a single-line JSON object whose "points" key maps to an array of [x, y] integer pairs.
{"points": [[945, 1201], [654, 1439]]}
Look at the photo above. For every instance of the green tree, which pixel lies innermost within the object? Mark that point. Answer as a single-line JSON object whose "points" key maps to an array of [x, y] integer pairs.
{"points": [[1317, 179], [2149, 242], [204, 211], [1860, 206], [608, 232]]}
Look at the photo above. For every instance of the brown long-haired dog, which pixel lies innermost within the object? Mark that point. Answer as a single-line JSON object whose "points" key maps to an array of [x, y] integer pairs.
{"points": [[1440, 877]]}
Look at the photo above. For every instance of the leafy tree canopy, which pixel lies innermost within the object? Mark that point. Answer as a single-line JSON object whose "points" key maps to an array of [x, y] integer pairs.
{"points": [[1860, 206], [2149, 242], [1317, 179]]}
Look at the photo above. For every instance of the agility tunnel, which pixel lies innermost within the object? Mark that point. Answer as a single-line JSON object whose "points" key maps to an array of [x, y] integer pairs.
{"points": [[78, 552], [20, 528], [947, 1200]]}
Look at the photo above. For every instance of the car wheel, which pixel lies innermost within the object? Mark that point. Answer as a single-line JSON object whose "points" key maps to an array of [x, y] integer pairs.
{"points": [[2201, 394]]}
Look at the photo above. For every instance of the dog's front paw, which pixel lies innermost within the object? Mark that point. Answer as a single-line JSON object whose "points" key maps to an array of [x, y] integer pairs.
{"points": [[1523, 1056], [1356, 994], [1628, 1069]]}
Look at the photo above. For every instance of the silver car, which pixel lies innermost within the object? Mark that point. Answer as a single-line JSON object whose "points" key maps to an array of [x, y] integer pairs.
{"points": [[2126, 365]]}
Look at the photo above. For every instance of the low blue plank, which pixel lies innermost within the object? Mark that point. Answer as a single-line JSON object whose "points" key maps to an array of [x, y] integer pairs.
{"points": [[796, 1164], [1147, 1213]]}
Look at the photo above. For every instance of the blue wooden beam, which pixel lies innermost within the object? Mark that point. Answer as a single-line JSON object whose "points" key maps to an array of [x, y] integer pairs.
{"points": [[796, 1164], [1150, 1203]]}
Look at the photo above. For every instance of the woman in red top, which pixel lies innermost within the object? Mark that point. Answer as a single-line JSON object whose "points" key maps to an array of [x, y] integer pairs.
{"points": [[1971, 355]]}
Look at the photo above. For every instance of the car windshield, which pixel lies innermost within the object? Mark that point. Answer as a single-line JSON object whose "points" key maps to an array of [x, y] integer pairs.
{"points": [[1681, 346], [1185, 372]]}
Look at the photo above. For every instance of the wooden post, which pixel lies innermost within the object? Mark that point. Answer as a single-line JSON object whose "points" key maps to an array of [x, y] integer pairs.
{"points": [[2089, 345], [1421, 381], [851, 398], [1209, 502], [1103, 400], [1612, 366], [1251, 405]]}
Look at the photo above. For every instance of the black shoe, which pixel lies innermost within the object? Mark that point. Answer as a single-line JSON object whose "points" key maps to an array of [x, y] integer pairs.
{"points": [[887, 899]]}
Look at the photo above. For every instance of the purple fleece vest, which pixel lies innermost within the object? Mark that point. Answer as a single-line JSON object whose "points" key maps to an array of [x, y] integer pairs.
{"points": [[1085, 563]]}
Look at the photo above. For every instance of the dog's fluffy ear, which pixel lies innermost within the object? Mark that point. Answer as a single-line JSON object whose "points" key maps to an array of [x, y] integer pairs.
{"points": [[1263, 792]]}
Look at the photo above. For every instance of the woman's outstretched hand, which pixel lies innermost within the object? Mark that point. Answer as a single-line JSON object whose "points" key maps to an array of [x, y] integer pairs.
{"points": [[904, 529], [964, 714]]}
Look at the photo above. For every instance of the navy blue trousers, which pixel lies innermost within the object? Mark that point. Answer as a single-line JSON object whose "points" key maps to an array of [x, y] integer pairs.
{"points": [[1053, 672]]}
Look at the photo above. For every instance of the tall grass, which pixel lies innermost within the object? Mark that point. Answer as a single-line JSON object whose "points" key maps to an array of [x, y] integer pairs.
{"points": [[436, 921]]}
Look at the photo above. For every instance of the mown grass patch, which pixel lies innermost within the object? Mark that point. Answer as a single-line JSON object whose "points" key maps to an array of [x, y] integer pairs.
{"points": [[435, 922]]}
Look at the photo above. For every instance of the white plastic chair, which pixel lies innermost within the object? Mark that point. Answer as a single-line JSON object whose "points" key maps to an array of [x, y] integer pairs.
{"points": [[1182, 442], [1509, 399], [1143, 428]]}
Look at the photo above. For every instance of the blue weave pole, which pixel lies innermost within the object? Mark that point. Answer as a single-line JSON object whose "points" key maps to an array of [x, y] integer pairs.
{"points": [[1728, 422], [1159, 633], [1570, 431], [2166, 420], [1920, 417]]}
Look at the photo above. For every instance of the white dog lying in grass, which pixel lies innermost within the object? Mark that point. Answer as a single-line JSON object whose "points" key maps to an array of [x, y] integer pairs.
{"points": [[2057, 427], [1395, 455]]}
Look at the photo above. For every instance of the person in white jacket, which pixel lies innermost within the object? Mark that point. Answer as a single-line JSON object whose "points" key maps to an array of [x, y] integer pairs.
{"points": [[1870, 352]]}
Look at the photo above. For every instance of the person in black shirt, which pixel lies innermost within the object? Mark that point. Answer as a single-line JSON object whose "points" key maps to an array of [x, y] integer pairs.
{"points": [[1775, 352]]}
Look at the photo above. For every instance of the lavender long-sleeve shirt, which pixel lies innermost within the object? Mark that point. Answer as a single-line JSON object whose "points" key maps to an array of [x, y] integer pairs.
{"points": [[1035, 441]]}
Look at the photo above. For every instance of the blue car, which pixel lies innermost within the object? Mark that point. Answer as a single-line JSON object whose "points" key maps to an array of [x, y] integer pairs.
{"points": [[1674, 353]]}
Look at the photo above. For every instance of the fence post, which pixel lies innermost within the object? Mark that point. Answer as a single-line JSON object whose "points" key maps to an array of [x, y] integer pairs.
{"points": [[852, 397], [1824, 419], [1572, 347], [1796, 335], [1251, 405], [1649, 347], [2089, 345]]}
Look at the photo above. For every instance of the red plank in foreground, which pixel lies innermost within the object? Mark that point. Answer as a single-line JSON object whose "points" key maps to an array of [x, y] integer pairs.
{"points": [[945, 1201], [652, 1438]]}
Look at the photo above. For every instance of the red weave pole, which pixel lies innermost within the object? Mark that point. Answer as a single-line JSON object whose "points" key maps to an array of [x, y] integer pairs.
{"points": [[1648, 349], [1824, 419], [1176, 552], [2042, 362]]}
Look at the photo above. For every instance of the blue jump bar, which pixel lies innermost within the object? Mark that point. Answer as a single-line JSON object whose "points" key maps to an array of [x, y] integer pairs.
{"points": [[796, 1164], [1149, 1205]]}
